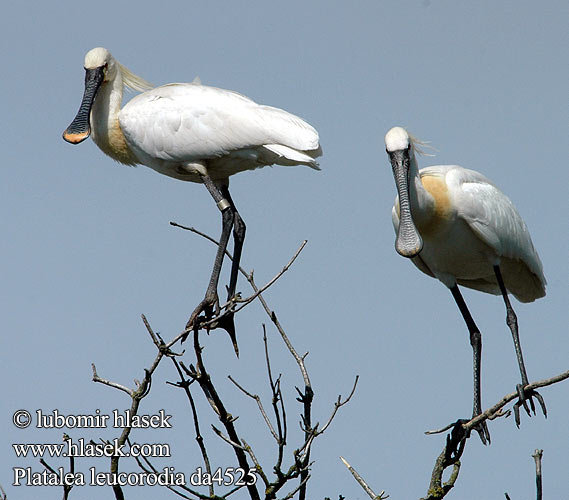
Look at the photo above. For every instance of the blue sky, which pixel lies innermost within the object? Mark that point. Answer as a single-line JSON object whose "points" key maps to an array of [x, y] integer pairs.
{"points": [[87, 246]]}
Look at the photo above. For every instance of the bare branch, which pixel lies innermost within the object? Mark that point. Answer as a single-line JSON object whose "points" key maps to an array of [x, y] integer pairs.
{"points": [[493, 411], [120, 387], [363, 484], [185, 384], [229, 307], [299, 359], [258, 466], [302, 456], [496, 410], [306, 397], [136, 395], [338, 404], [276, 399], [259, 404], [235, 445], [47, 466], [537, 457], [152, 469], [438, 489], [204, 381], [295, 491]]}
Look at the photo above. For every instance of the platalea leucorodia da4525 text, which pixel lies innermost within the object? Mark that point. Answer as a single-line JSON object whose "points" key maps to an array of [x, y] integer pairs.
{"points": [[191, 132], [457, 226]]}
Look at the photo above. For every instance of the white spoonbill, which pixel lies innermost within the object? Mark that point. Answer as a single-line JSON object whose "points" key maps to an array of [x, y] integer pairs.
{"points": [[191, 132], [457, 226]]}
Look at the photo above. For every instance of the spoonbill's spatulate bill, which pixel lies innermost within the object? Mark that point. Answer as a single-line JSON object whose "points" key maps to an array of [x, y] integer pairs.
{"points": [[458, 227], [191, 132]]}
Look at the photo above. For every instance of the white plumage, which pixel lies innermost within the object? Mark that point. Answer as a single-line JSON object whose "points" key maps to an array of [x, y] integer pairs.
{"points": [[468, 226], [186, 122], [191, 132], [457, 226]]}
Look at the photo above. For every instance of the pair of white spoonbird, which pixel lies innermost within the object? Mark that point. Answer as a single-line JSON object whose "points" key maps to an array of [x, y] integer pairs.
{"points": [[453, 223]]}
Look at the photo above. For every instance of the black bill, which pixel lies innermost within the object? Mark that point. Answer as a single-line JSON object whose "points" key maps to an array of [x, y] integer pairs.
{"points": [[80, 129], [408, 242]]}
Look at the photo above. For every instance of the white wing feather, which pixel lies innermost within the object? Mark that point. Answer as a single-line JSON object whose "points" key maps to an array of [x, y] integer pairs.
{"points": [[191, 122], [492, 216]]}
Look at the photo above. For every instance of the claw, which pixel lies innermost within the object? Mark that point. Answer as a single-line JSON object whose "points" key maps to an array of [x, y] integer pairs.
{"points": [[523, 398], [541, 403], [205, 306], [532, 405], [484, 433], [226, 322], [517, 414]]}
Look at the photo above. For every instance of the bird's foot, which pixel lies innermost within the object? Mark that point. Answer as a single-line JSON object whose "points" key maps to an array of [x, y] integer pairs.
{"points": [[206, 306], [525, 396], [222, 320], [456, 440]]}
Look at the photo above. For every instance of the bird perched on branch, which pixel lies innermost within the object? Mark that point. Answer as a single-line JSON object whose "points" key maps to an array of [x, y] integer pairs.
{"points": [[194, 133], [457, 226]]}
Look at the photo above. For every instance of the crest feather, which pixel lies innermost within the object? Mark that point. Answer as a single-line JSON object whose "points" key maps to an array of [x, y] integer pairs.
{"points": [[421, 147], [132, 81]]}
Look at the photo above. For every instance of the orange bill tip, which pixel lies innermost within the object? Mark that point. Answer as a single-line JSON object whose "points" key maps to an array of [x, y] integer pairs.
{"points": [[75, 137]]}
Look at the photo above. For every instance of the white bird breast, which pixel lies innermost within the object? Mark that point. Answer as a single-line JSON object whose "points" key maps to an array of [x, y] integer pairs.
{"points": [[484, 229]]}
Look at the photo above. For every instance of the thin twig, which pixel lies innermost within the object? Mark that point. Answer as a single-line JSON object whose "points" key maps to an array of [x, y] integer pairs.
{"points": [[100, 380], [295, 491], [152, 469], [259, 404], [308, 395], [338, 404], [276, 399], [302, 456], [136, 395], [204, 380], [258, 467], [185, 384], [235, 445], [363, 484], [228, 308]]}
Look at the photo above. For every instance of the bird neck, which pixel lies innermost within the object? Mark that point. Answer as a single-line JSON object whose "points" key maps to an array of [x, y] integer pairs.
{"points": [[105, 127], [421, 203]]}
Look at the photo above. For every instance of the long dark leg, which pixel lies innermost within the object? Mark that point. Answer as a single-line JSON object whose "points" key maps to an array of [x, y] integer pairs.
{"points": [[238, 239], [476, 343], [512, 322], [227, 217]]}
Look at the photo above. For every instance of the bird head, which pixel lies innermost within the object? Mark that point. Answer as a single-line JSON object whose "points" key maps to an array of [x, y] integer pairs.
{"points": [[100, 68]]}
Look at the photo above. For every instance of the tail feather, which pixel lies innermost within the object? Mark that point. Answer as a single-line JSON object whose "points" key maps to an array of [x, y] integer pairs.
{"points": [[290, 156]]}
